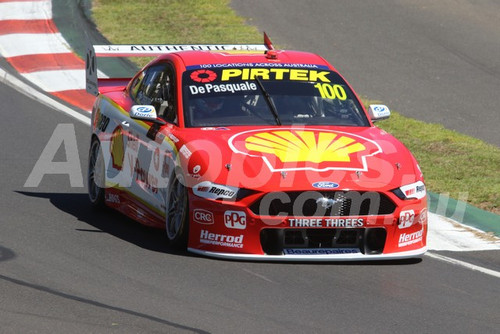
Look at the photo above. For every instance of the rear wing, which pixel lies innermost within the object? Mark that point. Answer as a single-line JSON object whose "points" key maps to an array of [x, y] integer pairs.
{"points": [[153, 50]]}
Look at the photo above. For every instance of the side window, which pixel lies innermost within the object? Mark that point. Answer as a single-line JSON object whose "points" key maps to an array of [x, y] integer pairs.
{"points": [[168, 107], [134, 88], [157, 88], [150, 84]]}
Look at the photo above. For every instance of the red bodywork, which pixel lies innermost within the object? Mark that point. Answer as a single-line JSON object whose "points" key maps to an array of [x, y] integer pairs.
{"points": [[218, 161]]}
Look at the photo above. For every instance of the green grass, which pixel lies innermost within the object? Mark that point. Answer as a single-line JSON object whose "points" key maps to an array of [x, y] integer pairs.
{"points": [[451, 162], [171, 22]]}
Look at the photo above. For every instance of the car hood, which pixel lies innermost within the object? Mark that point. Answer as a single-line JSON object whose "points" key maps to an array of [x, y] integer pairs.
{"points": [[296, 158]]}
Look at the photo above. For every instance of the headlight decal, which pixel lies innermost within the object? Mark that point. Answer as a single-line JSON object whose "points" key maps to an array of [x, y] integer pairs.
{"points": [[415, 190]]}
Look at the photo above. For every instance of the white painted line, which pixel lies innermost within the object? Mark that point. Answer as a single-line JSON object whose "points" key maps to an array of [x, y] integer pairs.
{"points": [[29, 91], [57, 80], [464, 264], [26, 10], [12, 45]]}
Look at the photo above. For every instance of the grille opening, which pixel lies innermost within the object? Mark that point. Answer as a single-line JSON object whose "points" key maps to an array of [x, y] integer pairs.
{"points": [[273, 241], [375, 240], [295, 237], [348, 237], [323, 203], [318, 238]]}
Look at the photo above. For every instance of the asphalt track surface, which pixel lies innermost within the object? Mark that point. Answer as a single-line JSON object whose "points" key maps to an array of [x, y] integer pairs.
{"points": [[436, 61], [67, 269]]}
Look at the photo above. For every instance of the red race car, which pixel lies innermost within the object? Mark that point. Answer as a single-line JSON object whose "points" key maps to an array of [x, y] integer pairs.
{"points": [[248, 152]]}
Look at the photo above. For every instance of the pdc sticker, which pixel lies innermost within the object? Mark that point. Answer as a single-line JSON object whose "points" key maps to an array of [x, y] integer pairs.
{"points": [[406, 218]]}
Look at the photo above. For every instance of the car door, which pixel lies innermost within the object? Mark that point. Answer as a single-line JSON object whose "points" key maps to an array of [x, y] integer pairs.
{"points": [[153, 153]]}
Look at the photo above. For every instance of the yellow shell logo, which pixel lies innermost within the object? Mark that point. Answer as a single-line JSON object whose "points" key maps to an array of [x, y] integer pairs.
{"points": [[305, 149], [117, 148], [296, 146]]}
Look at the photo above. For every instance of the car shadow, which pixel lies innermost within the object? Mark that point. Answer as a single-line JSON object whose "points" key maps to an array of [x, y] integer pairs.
{"points": [[109, 221], [396, 262], [114, 223]]}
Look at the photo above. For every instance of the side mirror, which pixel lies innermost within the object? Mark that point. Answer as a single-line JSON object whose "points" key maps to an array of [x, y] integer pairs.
{"points": [[378, 112], [145, 113]]}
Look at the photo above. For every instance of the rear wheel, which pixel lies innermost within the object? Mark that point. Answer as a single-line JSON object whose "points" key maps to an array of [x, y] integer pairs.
{"points": [[95, 175], [176, 224]]}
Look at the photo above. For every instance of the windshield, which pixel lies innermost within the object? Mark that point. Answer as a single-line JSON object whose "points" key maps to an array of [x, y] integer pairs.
{"points": [[268, 96]]}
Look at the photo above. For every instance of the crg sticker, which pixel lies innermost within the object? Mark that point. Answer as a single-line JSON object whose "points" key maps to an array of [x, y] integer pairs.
{"points": [[204, 217]]}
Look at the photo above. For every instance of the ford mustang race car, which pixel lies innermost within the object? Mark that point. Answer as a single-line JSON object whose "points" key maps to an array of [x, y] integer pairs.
{"points": [[249, 152]]}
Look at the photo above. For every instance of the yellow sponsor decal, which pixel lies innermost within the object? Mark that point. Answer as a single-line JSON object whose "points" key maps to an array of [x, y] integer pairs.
{"points": [[306, 149], [117, 148], [275, 74], [331, 91], [297, 146]]}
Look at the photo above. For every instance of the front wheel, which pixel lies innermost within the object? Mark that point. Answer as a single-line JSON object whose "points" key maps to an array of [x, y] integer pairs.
{"points": [[96, 175], [177, 225]]}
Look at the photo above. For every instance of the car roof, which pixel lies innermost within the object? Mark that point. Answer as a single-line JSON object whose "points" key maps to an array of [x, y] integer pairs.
{"points": [[269, 58]]}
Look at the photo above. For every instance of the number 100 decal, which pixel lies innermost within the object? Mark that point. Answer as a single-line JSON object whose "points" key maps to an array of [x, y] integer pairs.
{"points": [[332, 92]]}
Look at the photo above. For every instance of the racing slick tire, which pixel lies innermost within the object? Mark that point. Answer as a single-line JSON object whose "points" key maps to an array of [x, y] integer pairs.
{"points": [[176, 216], [96, 177]]}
